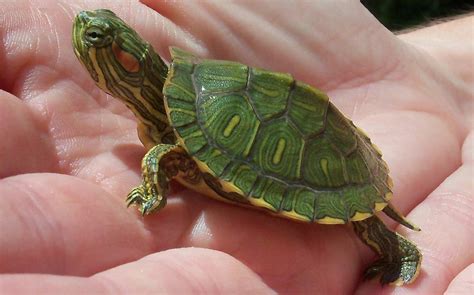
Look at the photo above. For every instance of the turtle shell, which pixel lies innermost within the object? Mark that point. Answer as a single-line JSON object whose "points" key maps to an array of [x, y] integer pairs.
{"points": [[275, 142]]}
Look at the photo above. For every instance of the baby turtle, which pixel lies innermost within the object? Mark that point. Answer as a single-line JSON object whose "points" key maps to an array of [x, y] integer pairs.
{"points": [[248, 136]]}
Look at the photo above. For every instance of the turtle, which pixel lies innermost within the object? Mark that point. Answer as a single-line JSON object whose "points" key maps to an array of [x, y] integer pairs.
{"points": [[246, 136]]}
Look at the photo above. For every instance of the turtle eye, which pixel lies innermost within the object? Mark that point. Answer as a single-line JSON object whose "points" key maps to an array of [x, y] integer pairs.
{"points": [[97, 36], [94, 34]]}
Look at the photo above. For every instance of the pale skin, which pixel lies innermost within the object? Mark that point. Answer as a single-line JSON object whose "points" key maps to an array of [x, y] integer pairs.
{"points": [[69, 154]]}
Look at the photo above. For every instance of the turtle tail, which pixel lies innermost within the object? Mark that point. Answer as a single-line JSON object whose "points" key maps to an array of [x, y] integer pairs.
{"points": [[398, 217]]}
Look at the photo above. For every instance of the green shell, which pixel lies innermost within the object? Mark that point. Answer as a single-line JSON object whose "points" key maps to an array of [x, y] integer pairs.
{"points": [[278, 142]]}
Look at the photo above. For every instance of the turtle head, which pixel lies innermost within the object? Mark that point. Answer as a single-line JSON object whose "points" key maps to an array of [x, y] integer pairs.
{"points": [[112, 52], [96, 29], [100, 43], [122, 64]]}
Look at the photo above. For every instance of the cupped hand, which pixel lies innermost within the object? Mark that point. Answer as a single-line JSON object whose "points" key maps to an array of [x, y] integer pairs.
{"points": [[69, 153]]}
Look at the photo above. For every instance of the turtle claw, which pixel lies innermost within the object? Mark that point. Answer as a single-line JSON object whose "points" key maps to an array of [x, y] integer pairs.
{"points": [[146, 203], [388, 272], [393, 273]]}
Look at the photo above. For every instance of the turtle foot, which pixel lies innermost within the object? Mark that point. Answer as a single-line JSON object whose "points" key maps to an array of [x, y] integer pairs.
{"points": [[398, 272], [389, 273], [400, 259], [146, 203]]}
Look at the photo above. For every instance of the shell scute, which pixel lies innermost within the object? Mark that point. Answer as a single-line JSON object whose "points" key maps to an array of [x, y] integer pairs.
{"points": [[215, 159], [339, 131], [268, 193], [357, 170], [304, 202], [308, 103], [181, 112], [269, 92], [324, 166], [179, 84], [330, 205], [229, 121], [193, 138], [278, 150], [219, 77], [241, 175]]}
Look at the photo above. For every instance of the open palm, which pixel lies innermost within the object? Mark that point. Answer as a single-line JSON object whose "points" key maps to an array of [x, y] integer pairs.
{"points": [[69, 153]]}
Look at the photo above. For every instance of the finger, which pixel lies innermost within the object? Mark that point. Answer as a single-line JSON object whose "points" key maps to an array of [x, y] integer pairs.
{"points": [[181, 271], [188, 271], [463, 283], [446, 239], [49, 133], [289, 256], [51, 222], [59, 224], [33, 43], [420, 150], [24, 139], [447, 43], [299, 38]]}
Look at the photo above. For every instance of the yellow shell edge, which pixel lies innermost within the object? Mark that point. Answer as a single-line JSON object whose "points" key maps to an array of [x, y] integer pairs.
{"points": [[389, 182], [380, 206], [361, 216], [330, 220], [294, 216]]}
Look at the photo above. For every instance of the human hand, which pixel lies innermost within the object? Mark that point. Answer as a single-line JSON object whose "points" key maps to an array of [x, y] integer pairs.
{"points": [[70, 154]]}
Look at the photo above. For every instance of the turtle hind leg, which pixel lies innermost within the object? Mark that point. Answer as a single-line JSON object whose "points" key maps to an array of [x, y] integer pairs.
{"points": [[161, 163], [400, 259]]}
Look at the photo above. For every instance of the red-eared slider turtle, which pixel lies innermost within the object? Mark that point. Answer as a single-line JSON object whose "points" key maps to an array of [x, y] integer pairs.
{"points": [[248, 136]]}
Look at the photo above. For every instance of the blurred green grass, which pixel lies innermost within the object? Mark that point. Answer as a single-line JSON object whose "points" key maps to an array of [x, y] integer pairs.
{"points": [[402, 14]]}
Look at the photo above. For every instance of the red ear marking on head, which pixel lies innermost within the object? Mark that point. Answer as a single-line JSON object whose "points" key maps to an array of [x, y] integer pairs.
{"points": [[127, 60]]}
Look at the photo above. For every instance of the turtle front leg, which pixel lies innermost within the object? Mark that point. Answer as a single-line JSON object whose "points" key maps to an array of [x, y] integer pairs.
{"points": [[400, 259], [159, 165]]}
